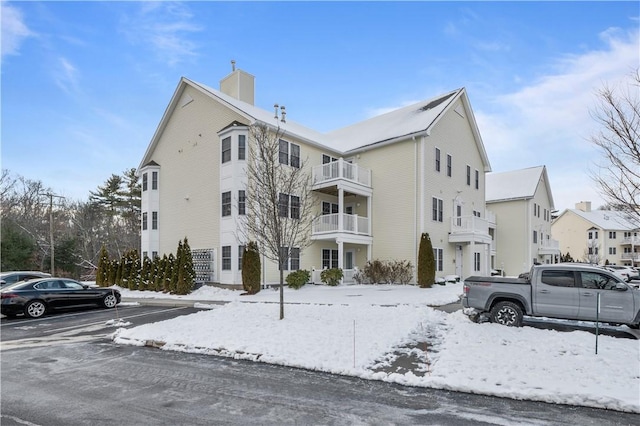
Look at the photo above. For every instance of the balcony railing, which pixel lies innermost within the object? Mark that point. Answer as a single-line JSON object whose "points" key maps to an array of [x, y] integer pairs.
{"points": [[351, 223], [550, 244], [469, 224], [341, 170], [635, 240], [631, 256]]}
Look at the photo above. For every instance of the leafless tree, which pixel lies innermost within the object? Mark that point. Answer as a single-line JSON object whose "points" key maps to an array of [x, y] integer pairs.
{"points": [[618, 176], [592, 253], [279, 200]]}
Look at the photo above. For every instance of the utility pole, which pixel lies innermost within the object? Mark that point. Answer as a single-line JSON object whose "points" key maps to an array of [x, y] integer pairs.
{"points": [[51, 196]]}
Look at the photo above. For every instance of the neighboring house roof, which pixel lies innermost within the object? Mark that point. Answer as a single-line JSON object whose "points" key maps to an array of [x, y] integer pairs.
{"points": [[398, 124], [604, 219], [516, 185]]}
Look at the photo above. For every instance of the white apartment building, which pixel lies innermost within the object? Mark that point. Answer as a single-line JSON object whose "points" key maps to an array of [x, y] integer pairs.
{"points": [[598, 236], [380, 184], [522, 201]]}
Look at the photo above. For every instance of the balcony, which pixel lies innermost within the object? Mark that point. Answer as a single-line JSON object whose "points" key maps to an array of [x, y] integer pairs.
{"points": [[468, 229], [549, 247], [634, 240], [349, 227], [351, 176], [635, 257]]}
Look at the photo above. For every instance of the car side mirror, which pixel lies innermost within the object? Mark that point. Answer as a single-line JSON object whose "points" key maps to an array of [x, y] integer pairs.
{"points": [[620, 287]]}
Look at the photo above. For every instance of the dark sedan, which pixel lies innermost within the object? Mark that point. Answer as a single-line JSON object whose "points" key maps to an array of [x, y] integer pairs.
{"points": [[36, 297]]}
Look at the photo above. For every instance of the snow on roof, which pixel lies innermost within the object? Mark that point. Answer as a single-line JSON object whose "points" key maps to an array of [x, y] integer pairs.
{"points": [[607, 219], [400, 122], [405, 121], [265, 116], [512, 185]]}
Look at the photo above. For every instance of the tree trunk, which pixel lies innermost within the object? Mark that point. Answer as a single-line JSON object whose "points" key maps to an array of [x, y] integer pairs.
{"points": [[281, 294]]}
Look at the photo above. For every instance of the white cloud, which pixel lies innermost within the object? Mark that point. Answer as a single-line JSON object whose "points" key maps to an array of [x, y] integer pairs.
{"points": [[65, 76], [548, 122], [165, 27], [14, 30]]}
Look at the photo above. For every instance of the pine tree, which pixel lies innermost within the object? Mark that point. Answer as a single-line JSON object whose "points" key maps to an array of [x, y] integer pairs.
{"points": [[186, 273], [168, 273], [251, 268], [134, 270], [145, 273], [426, 262], [176, 269], [102, 274]]}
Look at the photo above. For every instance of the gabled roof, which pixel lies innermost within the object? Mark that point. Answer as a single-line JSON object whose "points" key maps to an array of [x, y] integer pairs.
{"points": [[398, 124], [403, 123], [604, 219], [517, 185]]}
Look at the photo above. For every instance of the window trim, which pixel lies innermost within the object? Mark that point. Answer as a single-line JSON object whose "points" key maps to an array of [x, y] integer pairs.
{"points": [[225, 154], [225, 204], [226, 258]]}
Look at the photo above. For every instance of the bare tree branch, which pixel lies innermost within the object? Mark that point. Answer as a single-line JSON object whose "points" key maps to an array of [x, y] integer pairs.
{"points": [[280, 202], [618, 174]]}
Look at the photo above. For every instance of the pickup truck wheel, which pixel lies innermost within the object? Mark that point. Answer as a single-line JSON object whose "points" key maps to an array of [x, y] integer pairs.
{"points": [[507, 313]]}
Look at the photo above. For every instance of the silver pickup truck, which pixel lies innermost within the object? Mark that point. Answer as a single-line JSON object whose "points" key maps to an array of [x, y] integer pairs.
{"points": [[565, 291]]}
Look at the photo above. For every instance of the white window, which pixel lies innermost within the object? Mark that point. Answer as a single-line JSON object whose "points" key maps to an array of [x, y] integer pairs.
{"points": [[145, 179], [289, 153], [242, 148], [240, 254], [226, 149], [144, 220], [449, 164], [612, 235], [437, 255], [476, 261], [226, 203], [293, 261], [154, 180], [436, 209], [469, 175], [226, 258], [612, 250], [154, 220], [289, 206], [437, 159], [329, 208], [329, 259], [242, 202], [477, 179]]}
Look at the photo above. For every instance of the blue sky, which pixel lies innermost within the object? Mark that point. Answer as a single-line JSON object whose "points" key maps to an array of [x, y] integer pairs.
{"points": [[84, 84]]}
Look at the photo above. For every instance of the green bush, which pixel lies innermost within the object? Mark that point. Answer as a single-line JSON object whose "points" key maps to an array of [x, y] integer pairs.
{"points": [[297, 279], [251, 268], [331, 277], [426, 262], [385, 272]]}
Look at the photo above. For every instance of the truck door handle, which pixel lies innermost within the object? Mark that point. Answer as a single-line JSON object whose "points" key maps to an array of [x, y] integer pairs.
{"points": [[544, 291], [587, 294]]}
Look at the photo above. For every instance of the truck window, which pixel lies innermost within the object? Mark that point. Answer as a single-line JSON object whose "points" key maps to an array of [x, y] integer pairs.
{"points": [[597, 281], [559, 278]]}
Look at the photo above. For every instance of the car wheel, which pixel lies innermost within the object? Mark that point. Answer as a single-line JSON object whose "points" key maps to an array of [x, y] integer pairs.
{"points": [[507, 313], [35, 309], [109, 301]]}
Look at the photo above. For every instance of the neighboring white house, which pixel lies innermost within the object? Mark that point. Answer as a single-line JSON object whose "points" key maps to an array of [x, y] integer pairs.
{"points": [[380, 183], [598, 236], [522, 202]]}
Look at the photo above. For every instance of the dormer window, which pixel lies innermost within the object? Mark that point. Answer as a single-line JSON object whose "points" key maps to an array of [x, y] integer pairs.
{"points": [[289, 153]]}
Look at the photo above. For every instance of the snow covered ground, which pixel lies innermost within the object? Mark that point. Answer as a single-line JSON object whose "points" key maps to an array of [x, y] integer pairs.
{"points": [[358, 330]]}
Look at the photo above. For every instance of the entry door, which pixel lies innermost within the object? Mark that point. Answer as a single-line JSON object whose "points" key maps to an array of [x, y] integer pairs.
{"points": [[459, 261], [557, 294], [348, 259]]}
